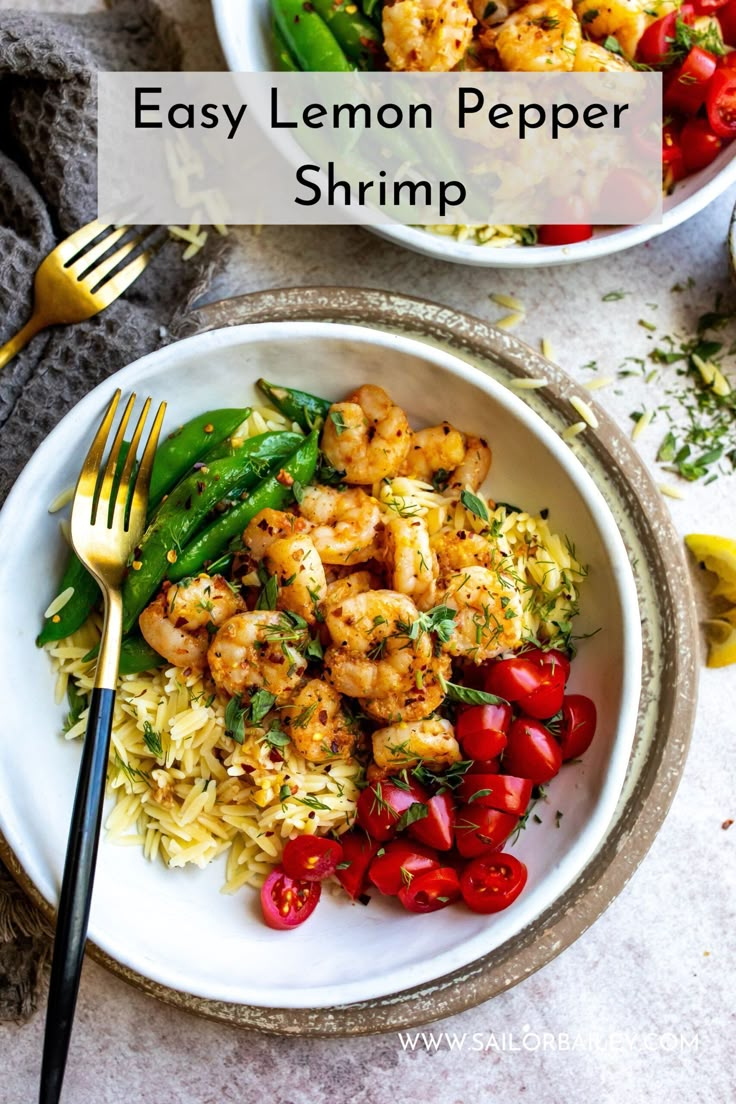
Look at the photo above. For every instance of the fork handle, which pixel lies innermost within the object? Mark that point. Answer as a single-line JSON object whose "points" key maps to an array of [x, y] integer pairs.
{"points": [[21, 339], [76, 894]]}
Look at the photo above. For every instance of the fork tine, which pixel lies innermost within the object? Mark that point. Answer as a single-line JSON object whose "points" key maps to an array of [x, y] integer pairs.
{"points": [[86, 261], [89, 475], [141, 483], [69, 248], [110, 481], [123, 279], [98, 274]]}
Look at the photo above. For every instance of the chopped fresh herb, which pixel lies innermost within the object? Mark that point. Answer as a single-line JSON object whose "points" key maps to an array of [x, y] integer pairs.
{"points": [[647, 325], [275, 737], [152, 739], [612, 296], [468, 696], [440, 620], [235, 719], [297, 489], [558, 818], [417, 811], [302, 719], [590, 15], [261, 703], [327, 474], [314, 649], [474, 504], [77, 705], [284, 792], [612, 45], [440, 479], [338, 421], [269, 593], [313, 803]]}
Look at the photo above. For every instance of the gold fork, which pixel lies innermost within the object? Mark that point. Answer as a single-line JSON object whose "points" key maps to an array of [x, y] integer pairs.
{"points": [[66, 288], [108, 518]]}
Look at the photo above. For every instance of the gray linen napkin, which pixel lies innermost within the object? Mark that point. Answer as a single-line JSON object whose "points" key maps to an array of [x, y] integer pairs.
{"points": [[48, 190]]}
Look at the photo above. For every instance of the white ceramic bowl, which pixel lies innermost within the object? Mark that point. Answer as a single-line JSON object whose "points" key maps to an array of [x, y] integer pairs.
{"points": [[173, 926], [246, 44]]}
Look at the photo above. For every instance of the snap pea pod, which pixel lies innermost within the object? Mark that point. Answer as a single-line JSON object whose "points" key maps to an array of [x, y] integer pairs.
{"points": [[285, 62], [359, 37], [271, 447], [373, 9], [136, 656], [179, 518], [309, 39], [274, 492], [306, 410], [174, 457]]}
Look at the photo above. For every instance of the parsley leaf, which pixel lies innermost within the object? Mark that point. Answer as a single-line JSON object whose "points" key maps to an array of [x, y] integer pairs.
{"points": [[474, 504], [468, 696]]}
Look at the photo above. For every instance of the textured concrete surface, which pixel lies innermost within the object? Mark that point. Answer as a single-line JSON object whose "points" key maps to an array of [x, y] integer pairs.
{"points": [[641, 1007]]}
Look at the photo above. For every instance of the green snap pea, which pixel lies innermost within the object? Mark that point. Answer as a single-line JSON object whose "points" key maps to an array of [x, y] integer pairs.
{"points": [[274, 492], [359, 38], [180, 516], [306, 410], [373, 9], [285, 62], [309, 39], [136, 656], [176, 454]]}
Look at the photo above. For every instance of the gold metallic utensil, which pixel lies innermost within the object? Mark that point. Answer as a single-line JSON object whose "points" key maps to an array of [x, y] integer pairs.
{"points": [[72, 283], [108, 519]]}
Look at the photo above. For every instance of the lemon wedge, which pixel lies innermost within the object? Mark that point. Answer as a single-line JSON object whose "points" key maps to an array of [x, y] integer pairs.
{"points": [[721, 632], [719, 556]]}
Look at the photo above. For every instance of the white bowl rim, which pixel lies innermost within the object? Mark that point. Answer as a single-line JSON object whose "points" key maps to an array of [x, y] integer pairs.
{"points": [[84, 414]]}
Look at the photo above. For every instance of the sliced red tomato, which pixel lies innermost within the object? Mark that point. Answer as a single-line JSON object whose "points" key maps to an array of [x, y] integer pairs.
{"points": [[727, 19], [532, 751], [577, 727], [433, 890], [492, 882], [436, 829], [673, 157], [479, 830], [482, 729], [721, 103], [563, 234], [700, 146], [357, 853], [399, 861], [546, 700], [728, 61], [497, 791], [311, 858], [707, 7], [551, 658], [687, 87], [656, 42], [382, 804], [287, 902], [511, 679], [484, 766]]}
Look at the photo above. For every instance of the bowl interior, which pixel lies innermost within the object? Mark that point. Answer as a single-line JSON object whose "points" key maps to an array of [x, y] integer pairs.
{"points": [[246, 43], [172, 925]]}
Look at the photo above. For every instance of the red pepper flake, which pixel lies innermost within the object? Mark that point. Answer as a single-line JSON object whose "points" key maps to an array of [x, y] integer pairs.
{"points": [[285, 479], [726, 825], [201, 487]]}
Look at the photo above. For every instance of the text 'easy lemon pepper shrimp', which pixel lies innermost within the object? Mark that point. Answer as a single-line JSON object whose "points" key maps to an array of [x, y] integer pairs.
{"points": [[427, 35], [258, 649], [319, 727], [178, 622], [367, 436]]}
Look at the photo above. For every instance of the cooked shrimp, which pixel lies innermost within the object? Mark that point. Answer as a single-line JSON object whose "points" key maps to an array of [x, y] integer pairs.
{"points": [[430, 36], [491, 14], [320, 729], [178, 621], [408, 559], [488, 618], [301, 577], [257, 649], [373, 658], [345, 523], [541, 37], [592, 58], [340, 589], [430, 741], [474, 469], [460, 548], [367, 436], [626, 20], [269, 526], [438, 448]]}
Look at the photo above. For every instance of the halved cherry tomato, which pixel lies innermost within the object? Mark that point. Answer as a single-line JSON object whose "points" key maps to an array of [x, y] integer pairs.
{"points": [[728, 61], [497, 791], [311, 858], [673, 157], [687, 87], [577, 728], [564, 234], [398, 862], [484, 766], [492, 882], [700, 145], [287, 902], [546, 700], [721, 103], [482, 729], [707, 7], [628, 192], [479, 830], [532, 751], [551, 658], [357, 852], [511, 679], [656, 42], [381, 805], [433, 890], [437, 827], [727, 19]]}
